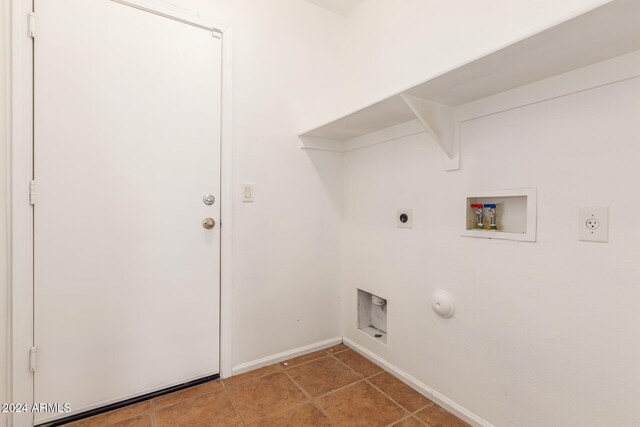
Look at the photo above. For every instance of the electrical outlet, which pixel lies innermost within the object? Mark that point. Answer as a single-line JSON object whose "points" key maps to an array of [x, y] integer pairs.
{"points": [[593, 223], [404, 218]]}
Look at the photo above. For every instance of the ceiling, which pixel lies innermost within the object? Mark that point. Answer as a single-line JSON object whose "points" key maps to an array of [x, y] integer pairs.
{"points": [[341, 7]]}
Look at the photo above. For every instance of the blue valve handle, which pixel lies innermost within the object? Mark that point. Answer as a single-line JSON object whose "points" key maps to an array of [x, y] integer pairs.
{"points": [[492, 211]]}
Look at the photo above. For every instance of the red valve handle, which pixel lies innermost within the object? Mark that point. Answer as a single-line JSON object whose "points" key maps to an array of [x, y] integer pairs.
{"points": [[476, 205]]}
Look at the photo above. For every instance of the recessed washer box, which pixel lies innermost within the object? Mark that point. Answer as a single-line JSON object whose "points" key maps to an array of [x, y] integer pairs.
{"points": [[372, 315], [516, 214]]}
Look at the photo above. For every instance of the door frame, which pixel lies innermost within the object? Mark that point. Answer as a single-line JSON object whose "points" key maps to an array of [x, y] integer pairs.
{"points": [[20, 173]]}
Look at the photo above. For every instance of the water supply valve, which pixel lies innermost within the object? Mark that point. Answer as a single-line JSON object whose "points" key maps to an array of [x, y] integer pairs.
{"points": [[477, 208], [491, 210]]}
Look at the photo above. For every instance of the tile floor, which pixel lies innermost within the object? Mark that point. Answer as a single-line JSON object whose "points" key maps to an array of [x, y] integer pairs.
{"points": [[332, 387]]}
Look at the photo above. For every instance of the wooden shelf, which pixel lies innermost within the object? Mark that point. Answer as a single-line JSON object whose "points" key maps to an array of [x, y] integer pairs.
{"points": [[600, 34]]}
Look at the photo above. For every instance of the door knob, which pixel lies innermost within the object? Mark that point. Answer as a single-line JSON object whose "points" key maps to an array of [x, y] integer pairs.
{"points": [[208, 223]]}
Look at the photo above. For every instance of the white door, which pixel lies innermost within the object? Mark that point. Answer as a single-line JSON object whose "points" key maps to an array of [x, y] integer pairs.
{"points": [[127, 143]]}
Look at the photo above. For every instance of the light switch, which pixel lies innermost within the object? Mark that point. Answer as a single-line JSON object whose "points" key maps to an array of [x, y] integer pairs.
{"points": [[247, 192]]}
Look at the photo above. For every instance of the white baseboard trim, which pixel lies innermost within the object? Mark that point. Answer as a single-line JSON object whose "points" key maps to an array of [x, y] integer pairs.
{"points": [[440, 399], [414, 383], [279, 357]]}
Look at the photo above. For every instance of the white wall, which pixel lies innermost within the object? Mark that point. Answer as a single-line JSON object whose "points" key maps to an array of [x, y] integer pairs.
{"points": [[4, 312], [543, 333]]}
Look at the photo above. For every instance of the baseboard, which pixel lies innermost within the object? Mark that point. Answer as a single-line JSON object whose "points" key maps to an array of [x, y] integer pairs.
{"points": [[422, 388], [438, 398], [279, 357]]}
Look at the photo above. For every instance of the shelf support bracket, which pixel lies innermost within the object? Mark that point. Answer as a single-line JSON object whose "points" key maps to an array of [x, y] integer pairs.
{"points": [[438, 120]]}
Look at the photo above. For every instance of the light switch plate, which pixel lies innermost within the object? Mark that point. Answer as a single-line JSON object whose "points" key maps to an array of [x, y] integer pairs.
{"points": [[593, 223], [404, 218], [247, 192]]}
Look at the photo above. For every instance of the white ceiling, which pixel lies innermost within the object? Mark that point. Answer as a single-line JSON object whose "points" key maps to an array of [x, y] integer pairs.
{"points": [[341, 7]]}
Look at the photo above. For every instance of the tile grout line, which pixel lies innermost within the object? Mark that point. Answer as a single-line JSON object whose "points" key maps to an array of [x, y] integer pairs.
{"points": [[383, 369], [361, 378], [407, 418], [311, 399], [281, 411], [431, 402], [341, 388], [325, 350], [347, 366], [428, 405], [288, 367], [153, 414], [410, 414], [155, 408], [284, 368], [366, 380], [338, 351], [233, 405], [394, 401], [271, 414], [186, 399], [82, 421], [252, 379], [358, 373]]}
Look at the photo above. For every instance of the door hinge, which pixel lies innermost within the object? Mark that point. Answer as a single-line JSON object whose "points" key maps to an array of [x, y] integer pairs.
{"points": [[32, 24], [32, 193], [33, 351]]}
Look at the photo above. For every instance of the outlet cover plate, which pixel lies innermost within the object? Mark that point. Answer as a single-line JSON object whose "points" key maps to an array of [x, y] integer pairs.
{"points": [[409, 218], [593, 223]]}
